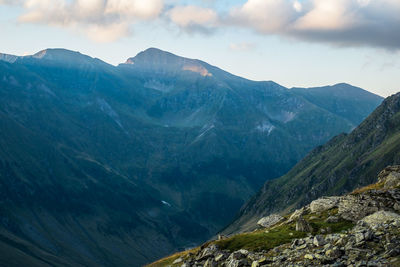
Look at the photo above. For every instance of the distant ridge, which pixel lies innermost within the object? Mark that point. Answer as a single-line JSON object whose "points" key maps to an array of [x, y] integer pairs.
{"points": [[90, 153], [344, 163]]}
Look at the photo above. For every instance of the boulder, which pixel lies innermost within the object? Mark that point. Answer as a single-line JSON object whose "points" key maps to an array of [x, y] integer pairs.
{"points": [[332, 219], [356, 207], [319, 241], [334, 253], [207, 252], [302, 225], [178, 260], [324, 203], [388, 170], [381, 217], [270, 220], [392, 180], [239, 254], [296, 214], [210, 263]]}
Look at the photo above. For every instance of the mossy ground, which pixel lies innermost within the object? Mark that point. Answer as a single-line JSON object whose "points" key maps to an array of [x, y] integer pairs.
{"points": [[170, 259], [318, 222], [267, 239], [261, 239], [368, 188]]}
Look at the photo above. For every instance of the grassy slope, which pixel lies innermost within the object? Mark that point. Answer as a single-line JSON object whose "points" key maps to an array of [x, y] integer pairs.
{"points": [[344, 163], [265, 240]]}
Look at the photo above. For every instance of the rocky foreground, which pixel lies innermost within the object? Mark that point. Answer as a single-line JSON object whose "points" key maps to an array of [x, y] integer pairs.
{"points": [[358, 229]]}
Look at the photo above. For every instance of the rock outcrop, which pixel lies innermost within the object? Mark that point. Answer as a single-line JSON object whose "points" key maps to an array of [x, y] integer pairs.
{"points": [[270, 220], [358, 229], [324, 203]]}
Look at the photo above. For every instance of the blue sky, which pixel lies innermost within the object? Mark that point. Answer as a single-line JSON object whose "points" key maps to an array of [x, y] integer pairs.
{"points": [[295, 43]]}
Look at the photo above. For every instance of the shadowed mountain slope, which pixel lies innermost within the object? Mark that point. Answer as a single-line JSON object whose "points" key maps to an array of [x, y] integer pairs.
{"points": [[344, 163], [119, 165]]}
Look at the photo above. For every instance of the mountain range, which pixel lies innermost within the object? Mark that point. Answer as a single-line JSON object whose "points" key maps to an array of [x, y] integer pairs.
{"points": [[104, 165], [346, 162]]}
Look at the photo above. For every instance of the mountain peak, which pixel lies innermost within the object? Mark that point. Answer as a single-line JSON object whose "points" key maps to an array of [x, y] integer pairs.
{"points": [[155, 59], [155, 56], [59, 54], [65, 57]]}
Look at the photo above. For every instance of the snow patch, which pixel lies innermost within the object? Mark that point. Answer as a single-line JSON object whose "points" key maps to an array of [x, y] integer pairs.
{"points": [[288, 116], [165, 203], [265, 127], [157, 85], [106, 108]]}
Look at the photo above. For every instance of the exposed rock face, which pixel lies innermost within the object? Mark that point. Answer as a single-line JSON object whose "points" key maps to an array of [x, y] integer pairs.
{"points": [[388, 170], [390, 176], [392, 180], [270, 220], [373, 239], [382, 217], [302, 225], [356, 207], [324, 203], [297, 213]]}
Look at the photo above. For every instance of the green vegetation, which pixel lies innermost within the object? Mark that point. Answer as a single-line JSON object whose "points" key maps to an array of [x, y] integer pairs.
{"points": [[367, 188], [261, 239], [88, 151], [318, 222], [266, 239], [170, 259], [339, 166]]}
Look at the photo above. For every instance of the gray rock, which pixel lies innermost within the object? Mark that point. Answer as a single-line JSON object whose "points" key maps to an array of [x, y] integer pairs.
{"points": [[210, 263], [324, 203], [220, 257], [270, 220], [309, 256], [302, 225], [356, 207], [237, 263], [239, 254], [392, 180], [296, 214], [332, 219], [381, 217], [178, 260], [388, 170], [334, 253], [319, 241]]}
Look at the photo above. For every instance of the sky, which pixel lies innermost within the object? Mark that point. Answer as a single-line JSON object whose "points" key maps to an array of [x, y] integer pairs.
{"points": [[296, 43]]}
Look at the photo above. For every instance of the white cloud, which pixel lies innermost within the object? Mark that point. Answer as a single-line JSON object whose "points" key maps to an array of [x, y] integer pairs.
{"points": [[266, 16], [193, 17], [101, 20], [242, 46], [327, 15], [135, 8], [343, 22]]}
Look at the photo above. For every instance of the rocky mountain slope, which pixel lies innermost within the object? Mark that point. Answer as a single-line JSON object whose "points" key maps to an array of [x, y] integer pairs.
{"points": [[357, 229], [119, 165], [344, 163]]}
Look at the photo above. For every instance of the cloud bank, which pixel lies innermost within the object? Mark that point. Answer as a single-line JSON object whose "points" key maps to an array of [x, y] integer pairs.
{"points": [[193, 18], [101, 20], [343, 22], [374, 23]]}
